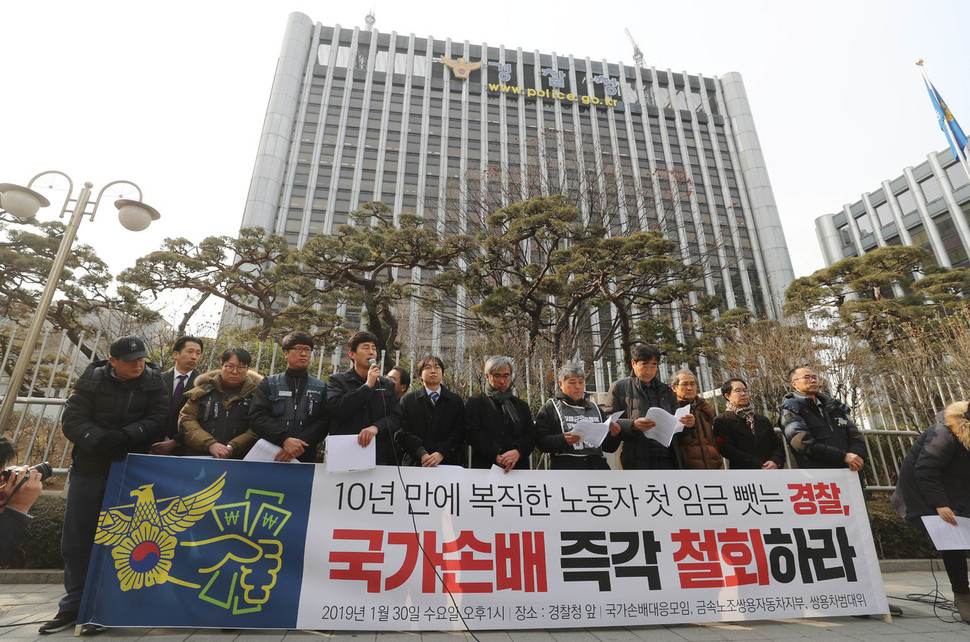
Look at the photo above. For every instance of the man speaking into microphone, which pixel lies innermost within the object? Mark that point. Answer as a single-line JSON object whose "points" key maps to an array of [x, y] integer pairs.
{"points": [[364, 403]]}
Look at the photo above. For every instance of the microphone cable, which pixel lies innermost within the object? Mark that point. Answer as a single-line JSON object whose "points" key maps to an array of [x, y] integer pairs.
{"points": [[414, 523]]}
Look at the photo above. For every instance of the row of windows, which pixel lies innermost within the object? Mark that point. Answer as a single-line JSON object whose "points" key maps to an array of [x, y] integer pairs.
{"points": [[931, 191], [677, 96]]}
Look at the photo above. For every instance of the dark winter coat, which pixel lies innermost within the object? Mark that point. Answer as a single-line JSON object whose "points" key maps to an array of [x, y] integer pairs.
{"points": [[745, 449], [551, 436], [277, 414], [106, 418], [639, 452], [697, 442], [355, 406], [427, 428], [489, 435], [820, 436], [936, 471]]}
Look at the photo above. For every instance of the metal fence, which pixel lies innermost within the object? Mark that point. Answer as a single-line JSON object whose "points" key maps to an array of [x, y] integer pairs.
{"points": [[35, 424]]}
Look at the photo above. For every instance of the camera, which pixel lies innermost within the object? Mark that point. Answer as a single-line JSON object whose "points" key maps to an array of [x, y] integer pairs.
{"points": [[44, 468]]}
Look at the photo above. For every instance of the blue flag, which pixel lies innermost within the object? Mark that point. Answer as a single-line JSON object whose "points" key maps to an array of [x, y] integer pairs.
{"points": [[949, 125]]}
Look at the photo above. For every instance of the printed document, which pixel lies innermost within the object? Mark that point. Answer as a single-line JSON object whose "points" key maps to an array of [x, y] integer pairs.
{"points": [[592, 433], [667, 426], [947, 537]]}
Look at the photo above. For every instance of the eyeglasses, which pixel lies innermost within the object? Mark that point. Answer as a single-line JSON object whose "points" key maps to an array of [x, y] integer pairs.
{"points": [[239, 369], [301, 350], [500, 376], [687, 384], [740, 391], [807, 378]]}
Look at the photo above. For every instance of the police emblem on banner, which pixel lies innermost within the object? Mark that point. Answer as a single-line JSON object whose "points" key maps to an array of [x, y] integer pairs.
{"points": [[212, 539]]}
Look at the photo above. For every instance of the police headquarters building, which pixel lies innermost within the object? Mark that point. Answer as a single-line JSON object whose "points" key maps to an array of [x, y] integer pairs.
{"points": [[446, 129]]}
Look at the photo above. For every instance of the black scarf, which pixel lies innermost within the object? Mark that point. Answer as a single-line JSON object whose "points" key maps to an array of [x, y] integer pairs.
{"points": [[504, 401]]}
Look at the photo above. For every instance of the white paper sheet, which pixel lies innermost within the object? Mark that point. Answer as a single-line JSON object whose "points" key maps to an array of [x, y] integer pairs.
{"points": [[344, 454], [496, 473], [593, 433], [264, 450], [947, 537], [667, 426]]}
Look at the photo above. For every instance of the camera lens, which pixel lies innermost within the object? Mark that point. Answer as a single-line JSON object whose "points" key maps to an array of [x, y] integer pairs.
{"points": [[44, 468]]}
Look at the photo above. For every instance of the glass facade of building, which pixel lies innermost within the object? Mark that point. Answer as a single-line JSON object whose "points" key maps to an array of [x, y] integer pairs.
{"points": [[452, 131]]}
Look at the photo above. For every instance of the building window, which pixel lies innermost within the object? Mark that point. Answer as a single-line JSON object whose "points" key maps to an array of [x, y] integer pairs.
{"points": [[884, 214], [957, 175], [931, 189], [846, 236], [907, 203]]}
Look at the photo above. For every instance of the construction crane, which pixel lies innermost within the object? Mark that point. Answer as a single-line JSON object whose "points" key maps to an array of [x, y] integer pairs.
{"points": [[637, 52]]}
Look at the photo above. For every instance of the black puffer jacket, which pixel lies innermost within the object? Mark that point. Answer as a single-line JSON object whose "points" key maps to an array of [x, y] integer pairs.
{"points": [[106, 418], [820, 436], [936, 472]]}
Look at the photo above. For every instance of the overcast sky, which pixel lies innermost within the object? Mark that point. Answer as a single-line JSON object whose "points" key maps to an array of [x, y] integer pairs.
{"points": [[172, 95]]}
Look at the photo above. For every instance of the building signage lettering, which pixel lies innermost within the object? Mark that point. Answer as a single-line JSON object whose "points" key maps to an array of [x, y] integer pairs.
{"points": [[551, 93]]}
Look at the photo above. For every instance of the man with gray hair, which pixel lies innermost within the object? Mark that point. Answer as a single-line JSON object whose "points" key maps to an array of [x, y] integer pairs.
{"points": [[498, 425], [558, 415], [697, 442]]}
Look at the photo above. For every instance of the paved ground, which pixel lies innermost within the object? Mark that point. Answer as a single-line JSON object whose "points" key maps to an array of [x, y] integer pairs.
{"points": [[24, 606]]}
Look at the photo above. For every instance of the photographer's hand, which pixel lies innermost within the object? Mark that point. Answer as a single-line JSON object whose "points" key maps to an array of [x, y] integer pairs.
{"points": [[21, 490]]}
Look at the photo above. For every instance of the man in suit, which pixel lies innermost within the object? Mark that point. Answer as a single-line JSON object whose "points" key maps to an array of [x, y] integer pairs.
{"points": [[433, 428], [178, 380]]}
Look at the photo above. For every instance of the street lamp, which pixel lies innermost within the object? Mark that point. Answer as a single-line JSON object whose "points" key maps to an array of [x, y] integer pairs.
{"points": [[23, 203]]}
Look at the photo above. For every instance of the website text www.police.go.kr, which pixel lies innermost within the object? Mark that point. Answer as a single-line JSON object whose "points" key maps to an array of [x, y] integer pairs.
{"points": [[552, 93]]}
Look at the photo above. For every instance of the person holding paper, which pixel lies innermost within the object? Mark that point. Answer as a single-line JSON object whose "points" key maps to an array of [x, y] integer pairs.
{"points": [[498, 425], [746, 439], [635, 395], [696, 443], [558, 416], [364, 403], [289, 408], [935, 480]]}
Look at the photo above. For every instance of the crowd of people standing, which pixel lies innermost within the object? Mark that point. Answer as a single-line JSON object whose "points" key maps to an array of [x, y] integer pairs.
{"points": [[126, 405]]}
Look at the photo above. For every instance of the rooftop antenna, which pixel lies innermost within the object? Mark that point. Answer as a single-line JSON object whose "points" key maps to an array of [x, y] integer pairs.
{"points": [[370, 20], [637, 52]]}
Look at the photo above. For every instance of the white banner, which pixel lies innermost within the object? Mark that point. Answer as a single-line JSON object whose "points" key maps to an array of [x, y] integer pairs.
{"points": [[547, 549]]}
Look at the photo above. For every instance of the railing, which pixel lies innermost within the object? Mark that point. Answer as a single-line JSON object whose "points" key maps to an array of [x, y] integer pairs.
{"points": [[35, 425]]}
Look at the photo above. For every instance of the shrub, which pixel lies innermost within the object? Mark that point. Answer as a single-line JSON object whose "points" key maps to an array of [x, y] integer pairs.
{"points": [[893, 537], [42, 548]]}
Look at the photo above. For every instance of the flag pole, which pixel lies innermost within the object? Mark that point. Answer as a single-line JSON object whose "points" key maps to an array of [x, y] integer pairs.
{"points": [[962, 156]]}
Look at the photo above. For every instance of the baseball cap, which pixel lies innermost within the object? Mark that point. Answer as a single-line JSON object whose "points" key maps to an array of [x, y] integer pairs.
{"points": [[128, 349]]}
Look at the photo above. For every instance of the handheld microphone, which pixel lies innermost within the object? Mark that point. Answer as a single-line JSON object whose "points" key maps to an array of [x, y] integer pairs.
{"points": [[373, 362]]}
